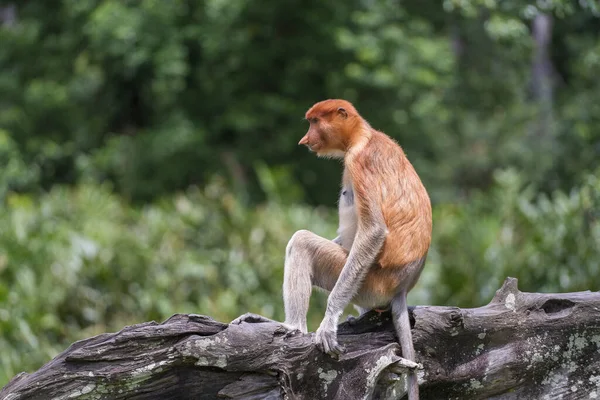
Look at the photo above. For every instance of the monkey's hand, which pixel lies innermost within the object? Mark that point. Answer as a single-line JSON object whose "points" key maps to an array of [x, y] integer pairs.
{"points": [[326, 339]]}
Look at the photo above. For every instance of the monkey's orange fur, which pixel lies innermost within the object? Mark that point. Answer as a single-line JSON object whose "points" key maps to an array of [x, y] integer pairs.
{"points": [[386, 188]]}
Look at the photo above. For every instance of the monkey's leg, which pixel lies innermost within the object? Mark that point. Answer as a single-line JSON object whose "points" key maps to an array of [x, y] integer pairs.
{"points": [[309, 260], [361, 311], [402, 325]]}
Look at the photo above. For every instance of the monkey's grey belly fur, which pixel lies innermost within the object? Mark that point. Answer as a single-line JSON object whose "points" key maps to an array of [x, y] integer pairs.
{"points": [[348, 218]]}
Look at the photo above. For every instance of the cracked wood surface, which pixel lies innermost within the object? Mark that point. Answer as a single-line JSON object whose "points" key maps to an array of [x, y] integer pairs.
{"points": [[520, 346]]}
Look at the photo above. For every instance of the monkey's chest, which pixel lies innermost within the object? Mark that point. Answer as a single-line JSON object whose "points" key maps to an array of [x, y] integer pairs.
{"points": [[348, 218]]}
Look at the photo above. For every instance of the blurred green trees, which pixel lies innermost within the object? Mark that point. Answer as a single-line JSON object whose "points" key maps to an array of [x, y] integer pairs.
{"points": [[78, 262], [155, 96], [148, 158]]}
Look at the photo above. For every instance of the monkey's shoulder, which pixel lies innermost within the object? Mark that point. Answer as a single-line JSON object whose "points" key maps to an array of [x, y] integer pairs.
{"points": [[380, 152]]}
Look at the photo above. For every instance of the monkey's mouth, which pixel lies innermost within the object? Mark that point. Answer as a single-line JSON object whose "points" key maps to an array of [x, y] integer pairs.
{"points": [[313, 147], [309, 146]]}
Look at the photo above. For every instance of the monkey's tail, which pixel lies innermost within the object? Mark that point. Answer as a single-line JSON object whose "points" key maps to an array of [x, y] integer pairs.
{"points": [[402, 325]]}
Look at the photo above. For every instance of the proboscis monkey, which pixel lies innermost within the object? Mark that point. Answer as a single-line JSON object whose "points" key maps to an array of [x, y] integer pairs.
{"points": [[383, 236]]}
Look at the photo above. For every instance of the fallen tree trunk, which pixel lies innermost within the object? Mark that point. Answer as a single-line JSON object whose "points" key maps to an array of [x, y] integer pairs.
{"points": [[520, 346]]}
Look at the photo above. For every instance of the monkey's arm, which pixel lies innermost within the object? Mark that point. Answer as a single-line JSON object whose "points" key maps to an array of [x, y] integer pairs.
{"points": [[363, 173], [366, 246]]}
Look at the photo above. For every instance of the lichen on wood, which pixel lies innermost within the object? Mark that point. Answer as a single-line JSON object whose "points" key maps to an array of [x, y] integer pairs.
{"points": [[520, 346]]}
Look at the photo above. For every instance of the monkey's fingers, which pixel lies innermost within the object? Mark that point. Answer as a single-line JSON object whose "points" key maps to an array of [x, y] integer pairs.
{"points": [[404, 365], [336, 350], [326, 342]]}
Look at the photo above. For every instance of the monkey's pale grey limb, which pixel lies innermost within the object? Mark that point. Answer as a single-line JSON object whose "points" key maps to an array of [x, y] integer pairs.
{"points": [[313, 260], [402, 326], [365, 248], [309, 260]]}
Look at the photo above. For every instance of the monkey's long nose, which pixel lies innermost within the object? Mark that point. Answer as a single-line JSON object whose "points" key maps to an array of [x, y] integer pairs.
{"points": [[304, 140]]}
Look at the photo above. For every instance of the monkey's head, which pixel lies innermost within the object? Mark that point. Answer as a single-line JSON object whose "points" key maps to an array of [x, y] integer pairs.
{"points": [[334, 125]]}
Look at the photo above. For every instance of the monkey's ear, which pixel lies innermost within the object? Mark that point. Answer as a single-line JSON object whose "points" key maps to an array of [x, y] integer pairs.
{"points": [[342, 111]]}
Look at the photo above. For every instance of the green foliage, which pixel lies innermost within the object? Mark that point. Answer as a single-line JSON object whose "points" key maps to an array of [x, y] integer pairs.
{"points": [[551, 243], [154, 96], [15, 173], [78, 262]]}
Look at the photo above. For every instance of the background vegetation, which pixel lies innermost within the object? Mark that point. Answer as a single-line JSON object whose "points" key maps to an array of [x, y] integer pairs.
{"points": [[148, 158]]}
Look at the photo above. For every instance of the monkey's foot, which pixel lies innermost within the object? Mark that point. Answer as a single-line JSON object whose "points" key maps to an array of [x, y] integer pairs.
{"points": [[354, 320], [250, 318], [404, 365], [255, 318]]}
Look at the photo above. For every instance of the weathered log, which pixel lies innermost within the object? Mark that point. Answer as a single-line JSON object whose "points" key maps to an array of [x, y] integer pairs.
{"points": [[520, 346]]}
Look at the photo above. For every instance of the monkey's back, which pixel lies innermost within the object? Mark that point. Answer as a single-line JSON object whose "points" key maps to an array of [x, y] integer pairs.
{"points": [[403, 200]]}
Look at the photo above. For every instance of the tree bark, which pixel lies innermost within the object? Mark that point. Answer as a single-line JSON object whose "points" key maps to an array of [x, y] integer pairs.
{"points": [[520, 346]]}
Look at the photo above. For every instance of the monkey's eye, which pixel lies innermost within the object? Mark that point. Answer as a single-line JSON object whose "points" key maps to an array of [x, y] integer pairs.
{"points": [[313, 120]]}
